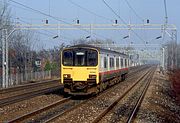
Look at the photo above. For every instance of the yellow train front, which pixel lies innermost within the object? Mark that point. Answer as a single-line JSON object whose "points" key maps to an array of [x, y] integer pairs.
{"points": [[85, 71]]}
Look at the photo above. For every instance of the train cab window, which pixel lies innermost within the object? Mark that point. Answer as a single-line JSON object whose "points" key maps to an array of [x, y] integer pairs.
{"points": [[67, 58], [117, 62], [91, 58], [79, 58], [122, 65], [105, 62]]}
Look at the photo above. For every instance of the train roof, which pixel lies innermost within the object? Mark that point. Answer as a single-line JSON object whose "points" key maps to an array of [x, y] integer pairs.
{"points": [[98, 48]]}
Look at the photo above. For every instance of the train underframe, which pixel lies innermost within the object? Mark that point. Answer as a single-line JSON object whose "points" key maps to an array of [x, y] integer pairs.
{"points": [[90, 87]]}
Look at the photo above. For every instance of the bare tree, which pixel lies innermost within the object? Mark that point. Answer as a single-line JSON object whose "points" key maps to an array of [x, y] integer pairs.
{"points": [[5, 16], [22, 45]]}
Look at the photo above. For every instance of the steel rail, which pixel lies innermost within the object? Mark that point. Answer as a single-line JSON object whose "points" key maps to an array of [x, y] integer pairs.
{"points": [[27, 95], [26, 86], [24, 96], [98, 118], [21, 118], [28, 115], [67, 111], [140, 99]]}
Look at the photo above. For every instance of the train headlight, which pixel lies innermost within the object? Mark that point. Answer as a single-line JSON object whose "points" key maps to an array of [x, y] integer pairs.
{"points": [[92, 76], [67, 76]]}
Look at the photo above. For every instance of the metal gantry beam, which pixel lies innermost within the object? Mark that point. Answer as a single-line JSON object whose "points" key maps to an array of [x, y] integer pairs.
{"points": [[96, 26]]}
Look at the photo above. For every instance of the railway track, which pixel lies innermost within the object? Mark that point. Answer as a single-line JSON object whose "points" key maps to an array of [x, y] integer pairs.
{"points": [[46, 114], [27, 92], [57, 109], [140, 99], [106, 91], [23, 92], [27, 86], [147, 77], [76, 113], [38, 111]]}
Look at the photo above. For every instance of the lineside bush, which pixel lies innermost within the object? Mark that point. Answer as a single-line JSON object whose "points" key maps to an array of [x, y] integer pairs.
{"points": [[175, 79]]}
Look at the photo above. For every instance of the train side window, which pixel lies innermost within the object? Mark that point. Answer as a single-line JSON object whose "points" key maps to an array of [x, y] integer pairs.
{"points": [[117, 62], [105, 62], [122, 65], [111, 62], [125, 62]]}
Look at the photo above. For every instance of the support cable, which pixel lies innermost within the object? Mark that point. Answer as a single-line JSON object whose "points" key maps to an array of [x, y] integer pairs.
{"points": [[83, 8], [53, 17], [134, 10], [124, 22]]}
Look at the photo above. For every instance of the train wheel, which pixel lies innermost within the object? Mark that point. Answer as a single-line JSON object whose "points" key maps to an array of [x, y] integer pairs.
{"points": [[101, 87], [122, 77], [105, 86]]}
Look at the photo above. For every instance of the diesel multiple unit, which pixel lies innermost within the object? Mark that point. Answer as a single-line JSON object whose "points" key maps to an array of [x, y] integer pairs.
{"points": [[87, 69]]}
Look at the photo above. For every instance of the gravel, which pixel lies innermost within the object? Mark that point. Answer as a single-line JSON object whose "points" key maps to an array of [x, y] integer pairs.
{"points": [[121, 112], [27, 90], [159, 105], [88, 111], [20, 108]]}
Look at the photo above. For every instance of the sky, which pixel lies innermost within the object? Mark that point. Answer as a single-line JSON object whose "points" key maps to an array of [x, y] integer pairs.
{"points": [[96, 13]]}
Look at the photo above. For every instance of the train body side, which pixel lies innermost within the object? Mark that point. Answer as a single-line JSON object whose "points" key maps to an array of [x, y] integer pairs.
{"points": [[112, 65]]}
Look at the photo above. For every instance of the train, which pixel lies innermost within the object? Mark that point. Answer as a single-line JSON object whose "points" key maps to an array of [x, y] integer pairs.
{"points": [[87, 69]]}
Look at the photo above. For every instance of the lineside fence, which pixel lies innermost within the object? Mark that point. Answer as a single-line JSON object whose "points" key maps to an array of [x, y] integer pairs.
{"points": [[22, 78]]}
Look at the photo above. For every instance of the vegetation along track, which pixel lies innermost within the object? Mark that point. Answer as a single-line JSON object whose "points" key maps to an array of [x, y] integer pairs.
{"points": [[52, 111], [28, 91]]}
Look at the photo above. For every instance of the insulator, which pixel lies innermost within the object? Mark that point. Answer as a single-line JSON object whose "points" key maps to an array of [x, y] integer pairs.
{"points": [[46, 21], [77, 21], [116, 21], [147, 20]]}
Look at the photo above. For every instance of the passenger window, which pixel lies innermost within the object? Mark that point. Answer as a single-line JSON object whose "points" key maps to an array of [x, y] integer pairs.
{"points": [[105, 62], [111, 62], [125, 62], [122, 65], [117, 62]]}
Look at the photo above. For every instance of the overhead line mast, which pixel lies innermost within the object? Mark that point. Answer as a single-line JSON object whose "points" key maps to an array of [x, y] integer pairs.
{"points": [[166, 15]]}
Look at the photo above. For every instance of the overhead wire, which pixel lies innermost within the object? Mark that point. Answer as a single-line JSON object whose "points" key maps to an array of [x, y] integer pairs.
{"points": [[51, 34], [53, 17], [129, 5], [87, 10], [124, 21]]}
